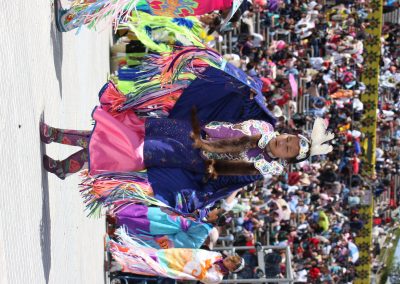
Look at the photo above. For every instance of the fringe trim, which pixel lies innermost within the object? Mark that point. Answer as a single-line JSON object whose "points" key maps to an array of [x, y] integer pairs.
{"points": [[184, 60], [161, 79], [185, 31], [134, 255], [118, 10], [103, 190]]}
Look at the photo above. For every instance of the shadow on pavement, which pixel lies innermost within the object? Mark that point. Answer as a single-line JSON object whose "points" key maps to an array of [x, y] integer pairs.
{"points": [[56, 40], [45, 222]]}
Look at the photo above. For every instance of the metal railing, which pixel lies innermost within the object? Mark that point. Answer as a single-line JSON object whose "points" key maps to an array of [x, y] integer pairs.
{"points": [[392, 17], [289, 277]]}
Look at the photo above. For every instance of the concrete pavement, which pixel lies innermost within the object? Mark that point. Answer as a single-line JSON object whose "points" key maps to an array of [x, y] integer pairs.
{"points": [[45, 236]]}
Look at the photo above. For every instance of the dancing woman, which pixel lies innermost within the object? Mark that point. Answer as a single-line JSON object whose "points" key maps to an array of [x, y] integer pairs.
{"points": [[122, 142], [216, 93], [181, 264], [90, 12], [160, 227]]}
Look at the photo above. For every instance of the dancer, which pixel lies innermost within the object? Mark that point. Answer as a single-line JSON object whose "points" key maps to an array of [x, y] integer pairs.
{"points": [[186, 191], [159, 227], [90, 12], [123, 143], [228, 101], [182, 264]]}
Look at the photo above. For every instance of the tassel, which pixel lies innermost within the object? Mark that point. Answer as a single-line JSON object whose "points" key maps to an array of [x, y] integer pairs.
{"points": [[152, 93], [184, 59], [134, 255], [114, 99]]}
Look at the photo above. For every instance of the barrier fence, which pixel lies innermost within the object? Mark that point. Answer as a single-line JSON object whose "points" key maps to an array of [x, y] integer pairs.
{"points": [[261, 252]]}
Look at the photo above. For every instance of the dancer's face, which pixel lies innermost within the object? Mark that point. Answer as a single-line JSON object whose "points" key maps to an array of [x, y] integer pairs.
{"points": [[212, 216], [285, 146], [208, 19], [232, 262]]}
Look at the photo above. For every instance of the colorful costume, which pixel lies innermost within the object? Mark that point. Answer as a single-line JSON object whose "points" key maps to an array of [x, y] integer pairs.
{"points": [[161, 228], [219, 93], [171, 84], [218, 90], [90, 12], [183, 191], [123, 143], [180, 264], [161, 34]]}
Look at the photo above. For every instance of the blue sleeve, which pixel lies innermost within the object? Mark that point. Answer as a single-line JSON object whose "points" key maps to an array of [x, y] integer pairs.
{"points": [[194, 237], [220, 96]]}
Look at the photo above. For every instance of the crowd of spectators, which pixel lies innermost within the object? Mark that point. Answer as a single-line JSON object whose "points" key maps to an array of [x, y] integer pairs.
{"points": [[310, 59]]}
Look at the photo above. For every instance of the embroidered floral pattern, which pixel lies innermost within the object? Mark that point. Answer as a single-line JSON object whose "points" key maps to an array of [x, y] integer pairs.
{"points": [[256, 155], [265, 138], [177, 8], [82, 142], [261, 127], [217, 124], [265, 167]]}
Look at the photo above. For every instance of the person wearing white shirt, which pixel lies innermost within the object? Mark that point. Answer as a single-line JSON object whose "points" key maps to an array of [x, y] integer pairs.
{"points": [[301, 208], [257, 39]]}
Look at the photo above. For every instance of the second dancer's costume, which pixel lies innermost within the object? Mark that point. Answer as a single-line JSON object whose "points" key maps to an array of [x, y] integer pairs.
{"points": [[161, 228]]}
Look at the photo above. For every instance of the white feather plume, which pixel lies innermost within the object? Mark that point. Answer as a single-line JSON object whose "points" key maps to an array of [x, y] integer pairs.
{"points": [[319, 136], [321, 149]]}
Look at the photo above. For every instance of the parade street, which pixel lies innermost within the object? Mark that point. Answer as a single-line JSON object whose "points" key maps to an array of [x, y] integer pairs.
{"points": [[45, 236]]}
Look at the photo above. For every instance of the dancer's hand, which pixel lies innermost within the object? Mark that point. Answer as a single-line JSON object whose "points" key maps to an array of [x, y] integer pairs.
{"points": [[197, 143], [210, 168]]}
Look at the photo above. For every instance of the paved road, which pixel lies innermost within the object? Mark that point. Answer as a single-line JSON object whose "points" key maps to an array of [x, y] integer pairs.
{"points": [[45, 236]]}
